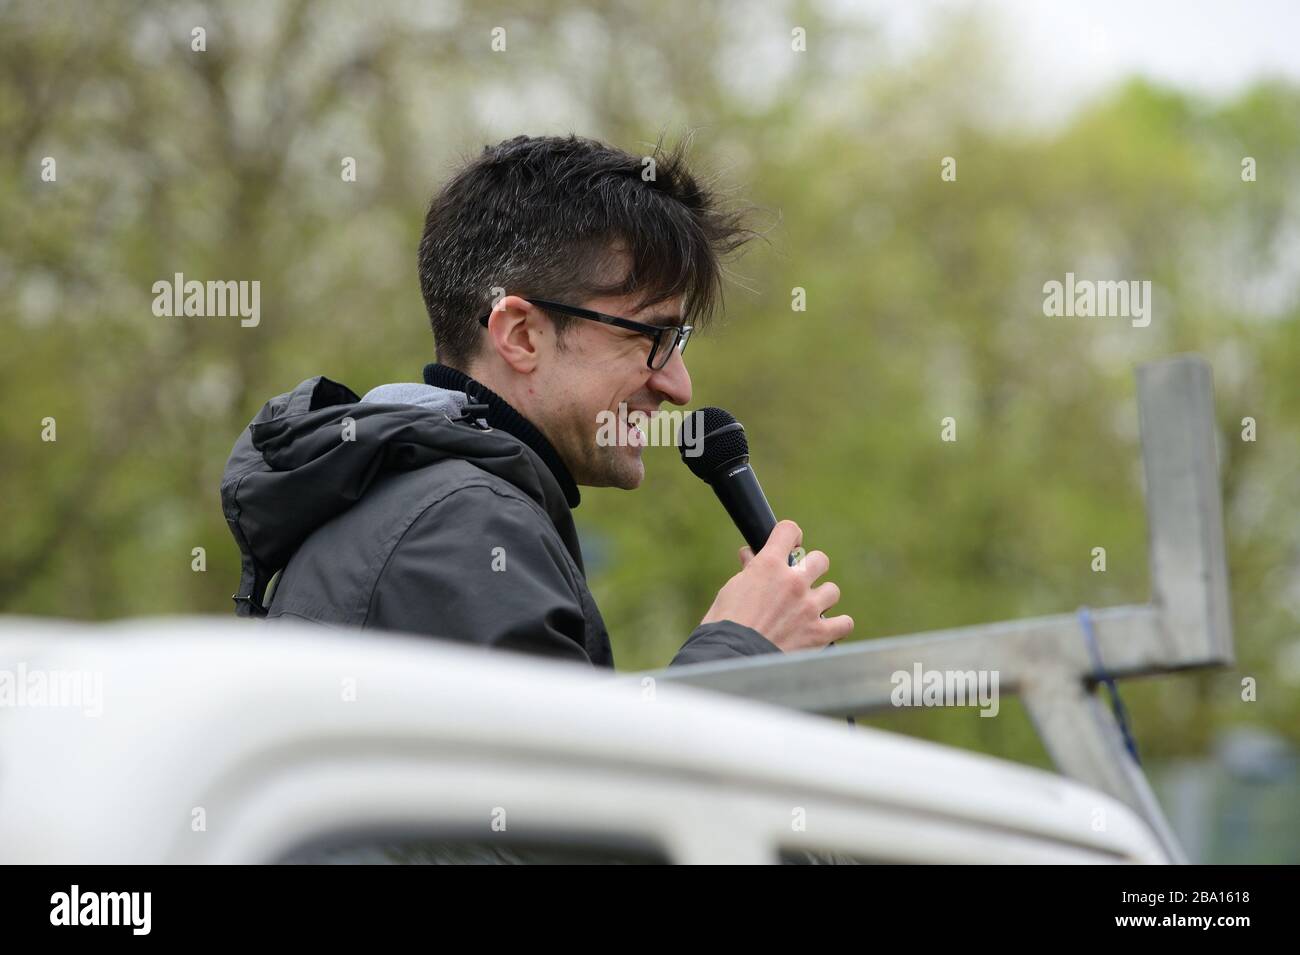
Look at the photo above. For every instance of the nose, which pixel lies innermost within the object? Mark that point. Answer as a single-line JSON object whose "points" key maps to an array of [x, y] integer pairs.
{"points": [[672, 381]]}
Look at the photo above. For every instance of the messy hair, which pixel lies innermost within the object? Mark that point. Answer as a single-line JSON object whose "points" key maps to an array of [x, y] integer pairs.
{"points": [[561, 219]]}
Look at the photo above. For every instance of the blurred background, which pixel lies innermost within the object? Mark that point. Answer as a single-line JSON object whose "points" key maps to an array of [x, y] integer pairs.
{"points": [[1101, 138]]}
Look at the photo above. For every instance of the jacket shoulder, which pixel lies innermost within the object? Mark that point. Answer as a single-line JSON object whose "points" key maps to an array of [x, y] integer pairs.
{"points": [[332, 577], [484, 564]]}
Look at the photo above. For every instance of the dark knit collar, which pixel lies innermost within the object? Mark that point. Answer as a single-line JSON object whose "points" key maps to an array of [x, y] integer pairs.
{"points": [[502, 416]]}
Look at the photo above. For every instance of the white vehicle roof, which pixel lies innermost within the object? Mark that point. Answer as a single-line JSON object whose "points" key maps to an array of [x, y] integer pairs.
{"points": [[250, 728]]}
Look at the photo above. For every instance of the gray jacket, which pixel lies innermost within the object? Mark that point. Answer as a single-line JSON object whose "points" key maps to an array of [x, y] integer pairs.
{"points": [[400, 512]]}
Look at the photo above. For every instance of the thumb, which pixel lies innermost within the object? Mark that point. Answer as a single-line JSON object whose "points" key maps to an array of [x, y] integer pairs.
{"points": [[746, 555], [784, 538]]}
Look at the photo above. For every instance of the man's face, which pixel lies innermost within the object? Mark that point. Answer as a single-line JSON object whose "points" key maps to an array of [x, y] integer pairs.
{"points": [[600, 375]]}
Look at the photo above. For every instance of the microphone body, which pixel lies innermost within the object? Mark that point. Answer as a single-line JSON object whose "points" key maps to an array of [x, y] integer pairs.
{"points": [[738, 489], [713, 445]]}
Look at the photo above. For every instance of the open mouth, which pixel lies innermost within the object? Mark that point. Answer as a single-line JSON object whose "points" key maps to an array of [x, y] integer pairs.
{"points": [[638, 424], [636, 438], [629, 428]]}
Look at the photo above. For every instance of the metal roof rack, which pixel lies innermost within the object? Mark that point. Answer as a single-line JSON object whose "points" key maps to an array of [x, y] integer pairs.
{"points": [[1046, 660]]}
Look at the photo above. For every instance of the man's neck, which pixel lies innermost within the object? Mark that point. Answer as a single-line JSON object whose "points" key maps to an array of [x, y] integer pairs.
{"points": [[504, 416], [502, 387]]}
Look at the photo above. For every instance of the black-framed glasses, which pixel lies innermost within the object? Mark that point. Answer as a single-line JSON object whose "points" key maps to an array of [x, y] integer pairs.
{"points": [[666, 338]]}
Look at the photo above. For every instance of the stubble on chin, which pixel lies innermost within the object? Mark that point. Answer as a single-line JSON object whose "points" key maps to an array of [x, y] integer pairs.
{"points": [[631, 473], [612, 467], [619, 468]]}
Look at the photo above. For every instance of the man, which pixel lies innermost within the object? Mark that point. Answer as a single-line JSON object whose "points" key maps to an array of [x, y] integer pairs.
{"points": [[444, 508]]}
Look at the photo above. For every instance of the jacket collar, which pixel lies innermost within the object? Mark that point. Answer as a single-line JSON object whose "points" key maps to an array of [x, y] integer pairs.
{"points": [[502, 416]]}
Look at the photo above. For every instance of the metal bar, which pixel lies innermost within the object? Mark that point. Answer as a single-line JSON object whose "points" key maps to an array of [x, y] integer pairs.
{"points": [[1188, 563], [1085, 743], [858, 678]]}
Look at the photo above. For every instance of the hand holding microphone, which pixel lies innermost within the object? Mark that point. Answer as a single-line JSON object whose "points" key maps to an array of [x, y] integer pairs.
{"points": [[773, 593], [780, 601]]}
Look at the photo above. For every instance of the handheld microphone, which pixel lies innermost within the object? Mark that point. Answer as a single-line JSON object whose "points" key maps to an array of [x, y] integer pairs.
{"points": [[713, 445]]}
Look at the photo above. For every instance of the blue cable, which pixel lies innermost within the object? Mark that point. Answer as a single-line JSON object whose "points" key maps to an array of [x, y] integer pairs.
{"points": [[1100, 674]]}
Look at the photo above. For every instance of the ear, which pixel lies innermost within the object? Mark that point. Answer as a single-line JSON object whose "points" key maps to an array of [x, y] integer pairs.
{"points": [[517, 332]]}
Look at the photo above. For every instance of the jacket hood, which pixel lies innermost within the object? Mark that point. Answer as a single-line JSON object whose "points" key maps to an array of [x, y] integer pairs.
{"points": [[313, 452]]}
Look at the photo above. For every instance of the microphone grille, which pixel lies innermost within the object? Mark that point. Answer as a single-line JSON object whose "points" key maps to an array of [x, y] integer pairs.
{"points": [[710, 438]]}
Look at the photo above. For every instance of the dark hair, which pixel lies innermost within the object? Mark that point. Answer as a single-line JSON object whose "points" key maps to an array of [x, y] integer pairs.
{"points": [[542, 216]]}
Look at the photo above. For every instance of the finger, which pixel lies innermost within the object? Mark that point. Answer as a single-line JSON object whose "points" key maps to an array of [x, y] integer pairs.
{"points": [[826, 596], [746, 555], [784, 538], [837, 627], [814, 565]]}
